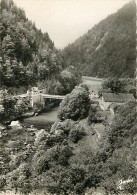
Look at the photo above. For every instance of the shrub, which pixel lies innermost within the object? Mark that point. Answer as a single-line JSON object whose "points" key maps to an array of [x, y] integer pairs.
{"points": [[77, 133], [65, 126], [93, 115], [52, 140], [41, 165], [40, 137]]}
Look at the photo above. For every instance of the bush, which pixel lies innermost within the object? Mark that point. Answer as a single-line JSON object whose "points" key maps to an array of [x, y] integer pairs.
{"points": [[45, 160], [77, 133], [19, 179], [122, 124], [52, 140], [64, 126], [41, 165], [60, 180], [40, 137], [93, 115]]}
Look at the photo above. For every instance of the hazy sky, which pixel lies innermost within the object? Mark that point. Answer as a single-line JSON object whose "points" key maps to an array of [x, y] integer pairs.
{"points": [[66, 20]]}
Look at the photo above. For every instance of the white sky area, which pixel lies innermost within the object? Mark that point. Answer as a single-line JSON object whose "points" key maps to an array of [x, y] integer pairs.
{"points": [[67, 20]]}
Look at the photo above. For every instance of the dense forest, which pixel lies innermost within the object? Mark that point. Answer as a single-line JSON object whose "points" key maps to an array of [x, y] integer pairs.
{"points": [[109, 48], [28, 56]]}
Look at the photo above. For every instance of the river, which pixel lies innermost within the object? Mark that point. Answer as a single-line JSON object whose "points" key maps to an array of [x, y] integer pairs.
{"points": [[43, 120], [46, 119]]}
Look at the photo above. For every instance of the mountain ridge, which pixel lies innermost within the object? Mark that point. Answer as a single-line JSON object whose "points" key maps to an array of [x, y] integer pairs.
{"points": [[109, 45]]}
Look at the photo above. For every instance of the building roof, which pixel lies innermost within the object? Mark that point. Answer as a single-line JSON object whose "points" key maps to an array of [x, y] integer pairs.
{"points": [[120, 97]]}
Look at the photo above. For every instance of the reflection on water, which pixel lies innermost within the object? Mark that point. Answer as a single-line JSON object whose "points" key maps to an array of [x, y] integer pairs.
{"points": [[43, 120]]}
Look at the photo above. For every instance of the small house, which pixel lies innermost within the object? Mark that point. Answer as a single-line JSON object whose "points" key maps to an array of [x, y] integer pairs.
{"points": [[108, 99]]}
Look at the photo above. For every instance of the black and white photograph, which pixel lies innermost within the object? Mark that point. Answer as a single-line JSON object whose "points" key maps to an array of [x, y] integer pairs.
{"points": [[68, 100]]}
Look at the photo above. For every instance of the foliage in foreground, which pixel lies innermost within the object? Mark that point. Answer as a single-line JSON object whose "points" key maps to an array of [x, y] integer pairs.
{"points": [[62, 164]]}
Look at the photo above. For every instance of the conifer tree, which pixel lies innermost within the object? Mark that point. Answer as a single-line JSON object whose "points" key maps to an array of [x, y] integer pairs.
{"points": [[8, 47]]}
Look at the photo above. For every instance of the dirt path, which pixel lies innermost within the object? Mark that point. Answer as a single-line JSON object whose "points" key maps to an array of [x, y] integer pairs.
{"points": [[90, 140]]}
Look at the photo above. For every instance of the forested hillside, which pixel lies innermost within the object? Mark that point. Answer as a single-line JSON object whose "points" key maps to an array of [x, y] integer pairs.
{"points": [[28, 59], [109, 48], [27, 55]]}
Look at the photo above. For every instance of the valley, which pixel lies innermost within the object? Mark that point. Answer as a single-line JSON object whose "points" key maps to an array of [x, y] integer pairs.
{"points": [[68, 120]]}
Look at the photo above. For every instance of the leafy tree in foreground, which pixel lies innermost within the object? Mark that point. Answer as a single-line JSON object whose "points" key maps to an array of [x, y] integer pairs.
{"points": [[123, 124], [75, 105], [113, 85]]}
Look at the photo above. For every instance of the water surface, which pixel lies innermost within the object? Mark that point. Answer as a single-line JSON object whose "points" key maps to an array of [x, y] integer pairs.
{"points": [[43, 120]]}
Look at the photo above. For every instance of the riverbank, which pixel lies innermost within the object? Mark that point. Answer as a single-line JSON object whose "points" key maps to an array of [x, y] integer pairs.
{"points": [[28, 113], [17, 143]]}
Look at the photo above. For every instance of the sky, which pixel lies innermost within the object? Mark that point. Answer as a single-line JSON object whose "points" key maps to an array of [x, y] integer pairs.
{"points": [[67, 20]]}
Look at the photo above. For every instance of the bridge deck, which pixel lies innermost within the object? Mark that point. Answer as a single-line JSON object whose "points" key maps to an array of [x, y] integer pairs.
{"points": [[52, 96], [43, 95]]}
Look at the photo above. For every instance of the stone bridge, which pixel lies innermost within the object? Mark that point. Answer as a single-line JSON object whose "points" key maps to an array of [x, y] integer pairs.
{"points": [[37, 97], [40, 98]]}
